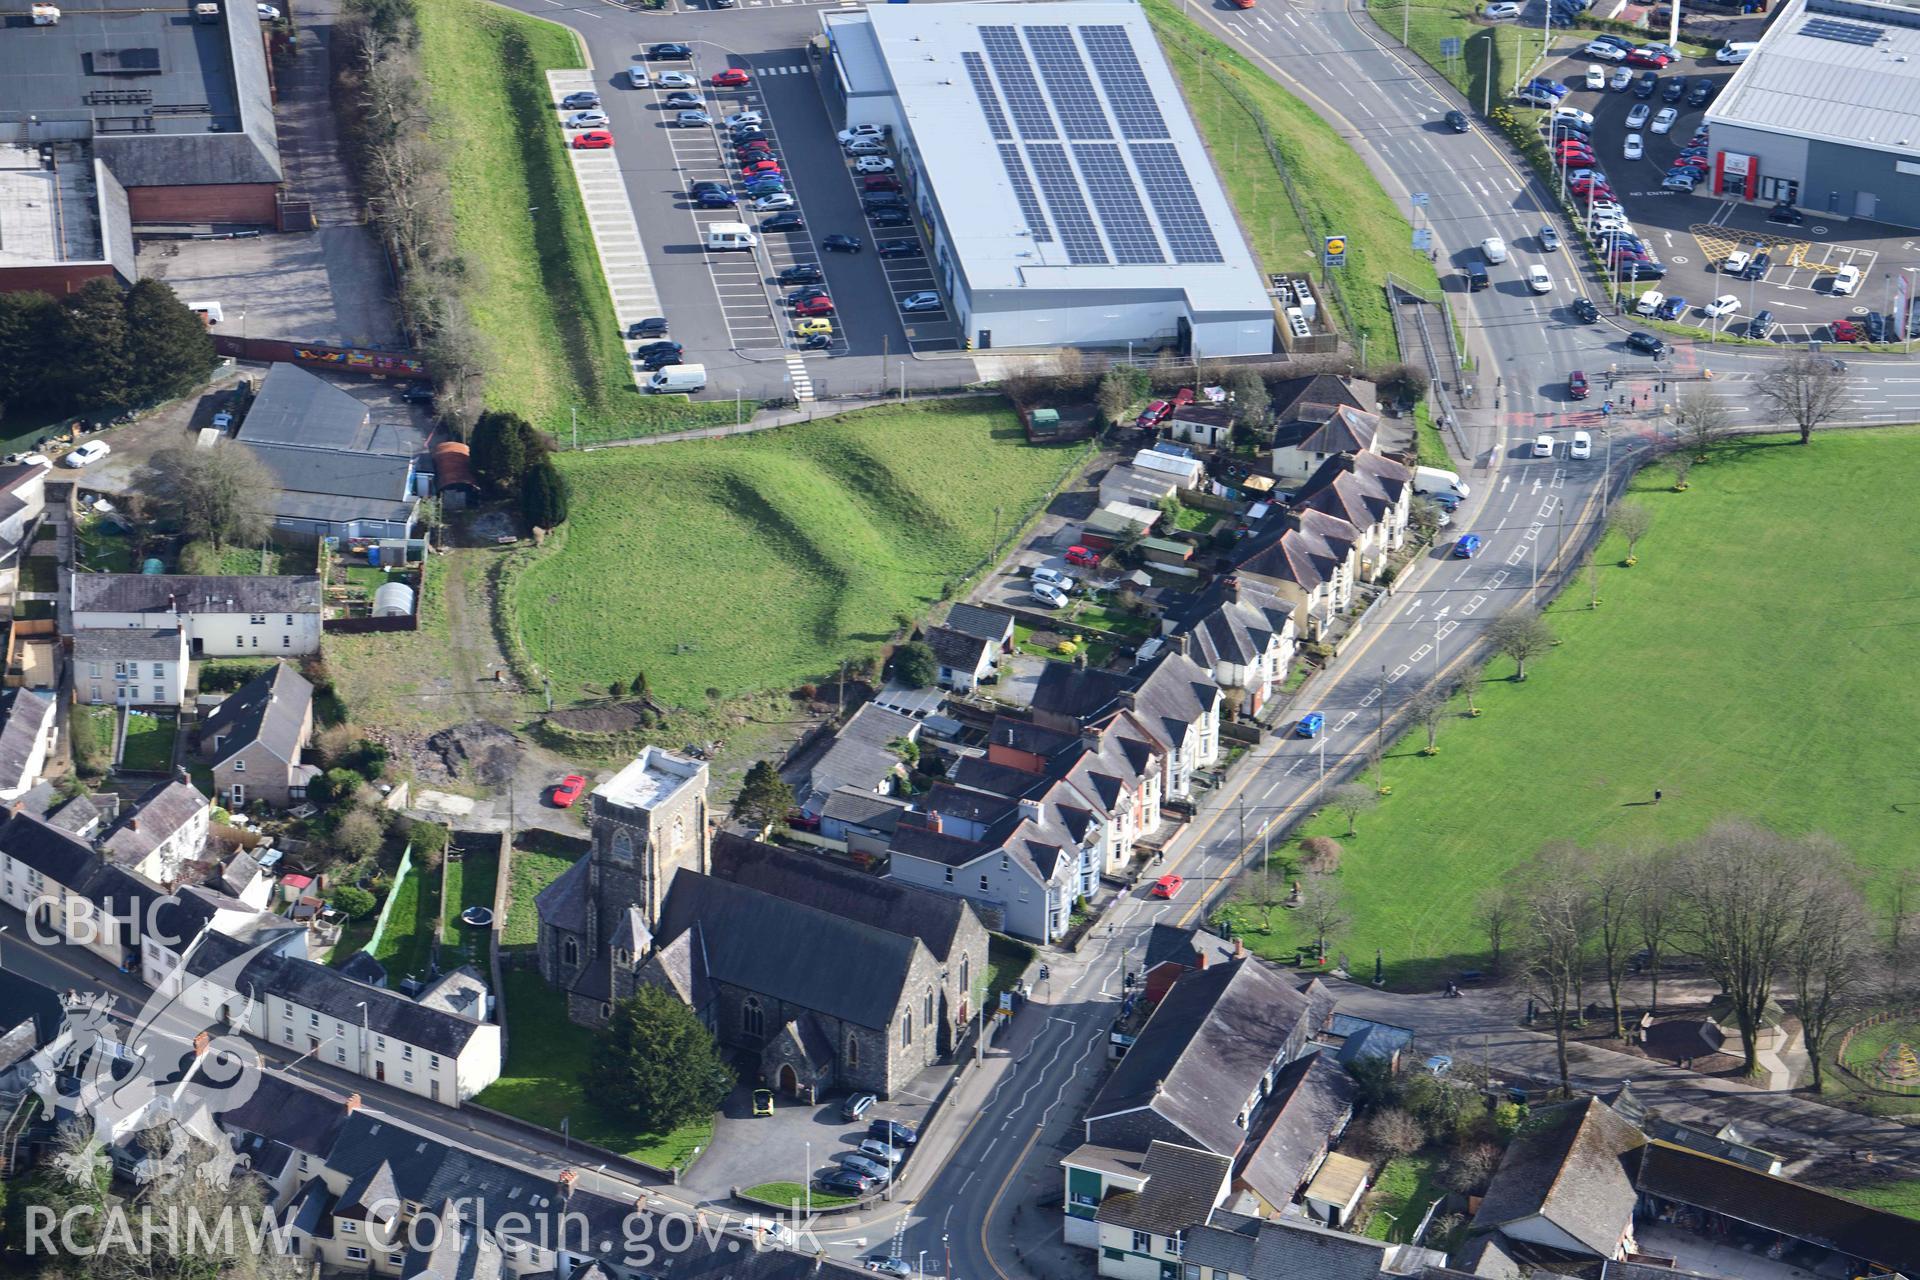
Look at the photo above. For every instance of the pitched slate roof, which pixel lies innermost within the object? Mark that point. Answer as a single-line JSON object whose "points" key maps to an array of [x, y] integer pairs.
{"points": [[934, 918], [23, 719], [1025, 735], [361, 966], [1182, 1184], [46, 849], [957, 649], [1575, 1170], [859, 756], [1229, 623], [1175, 694], [156, 817], [127, 644], [1362, 496], [188, 593], [1282, 1250], [788, 950], [1311, 1097], [1778, 1204], [1082, 693], [863, 809], [1314, 397], [563, 903], [1202, 1054], [269, 709], [1345, 430], [305, 1116], [988, 624], [1307, 550]]}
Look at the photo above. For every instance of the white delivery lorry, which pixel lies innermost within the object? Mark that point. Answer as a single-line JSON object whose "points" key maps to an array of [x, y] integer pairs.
{"points": [[730, 235], [1434, 480], [684, 378]]}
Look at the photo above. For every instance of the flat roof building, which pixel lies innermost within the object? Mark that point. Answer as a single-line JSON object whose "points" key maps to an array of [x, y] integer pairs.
{"points": [[1048, 152], [1825, 112]]}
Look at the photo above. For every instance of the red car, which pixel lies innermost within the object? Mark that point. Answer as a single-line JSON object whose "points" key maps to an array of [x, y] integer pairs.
{"points": [[568, 790], [1577, 385], [1846, 331], [760, 166], [1085, 557], [1182, 398], [734, 77], [592, 140], [1153, 415], [880, 182], [1641, 58], [1167, 886], [813, 307]]}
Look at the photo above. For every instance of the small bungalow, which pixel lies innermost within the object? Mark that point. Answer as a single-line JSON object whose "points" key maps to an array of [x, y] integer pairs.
{"points": [[966, 661], [1207, 425], [992, 625]]}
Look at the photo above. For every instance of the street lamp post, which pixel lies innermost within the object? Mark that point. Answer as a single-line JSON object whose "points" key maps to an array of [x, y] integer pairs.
{"points": [[1907, 319]]}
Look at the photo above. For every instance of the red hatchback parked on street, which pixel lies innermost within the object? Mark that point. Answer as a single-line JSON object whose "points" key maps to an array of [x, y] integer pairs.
{"points": [[1846, 331], [732, 77]]}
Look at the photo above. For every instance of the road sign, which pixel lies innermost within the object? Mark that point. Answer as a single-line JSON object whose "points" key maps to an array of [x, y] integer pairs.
{"points": [[1335, 254], [1450, 47], [1420, 199], [1423, 238]]}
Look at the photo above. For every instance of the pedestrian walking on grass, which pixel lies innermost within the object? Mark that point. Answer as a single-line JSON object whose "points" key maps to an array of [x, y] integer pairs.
{"points": [[1656, 797]]}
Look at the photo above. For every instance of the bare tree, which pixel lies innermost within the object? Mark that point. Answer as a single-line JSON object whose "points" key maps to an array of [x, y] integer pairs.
{"points": [[1256, 894], [1429, 708], [1807, 390], [1323, 911], [1742, 886], [1424, 515], [1657, 913], [1394, 1132], [1555, 921], [1631, 521], [1521, 634], [221, 494], [1701, 418], [1354, 799], [1614, 890], [1826, 961], [1682, 464], [1497, 913], [1470, 681]]}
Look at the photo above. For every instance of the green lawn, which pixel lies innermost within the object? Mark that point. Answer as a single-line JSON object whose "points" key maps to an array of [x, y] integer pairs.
{"points": [[1401, 1193], [1901, 1196], [407, 944], [469, 882], [533, 870], [1431, 445], [788, 1194], [1742, 667], [40, 573], [1007, 959], [536, 293], [541, 1082], [759, 562], [1338, 194], [247, 561], [149, 745], [104, 548]]}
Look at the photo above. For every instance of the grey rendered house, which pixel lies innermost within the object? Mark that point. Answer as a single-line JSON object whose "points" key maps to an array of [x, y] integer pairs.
{"points": [[1022, 862], [253, 740]]}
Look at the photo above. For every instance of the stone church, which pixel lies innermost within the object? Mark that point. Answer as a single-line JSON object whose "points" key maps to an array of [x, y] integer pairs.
{"points": [[818, 976]]}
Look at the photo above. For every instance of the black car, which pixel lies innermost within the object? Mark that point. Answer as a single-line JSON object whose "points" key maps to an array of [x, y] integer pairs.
{"points": [[418, 393], [1876, 326], [747, 133], [797, 296], [1701, 93], [649, 350], [652, 327], [658, 361], [1761, 326], [670, 53], [1786, 213], [900, 1135], [845, 1181], [1757, 268], [841, 244], [1676, 89], [1646, 344], [884, 200], [1457, 121], [805, 273], [1646, 84], [909, 249], [1584, 311], [890, 218], [788, 221]]}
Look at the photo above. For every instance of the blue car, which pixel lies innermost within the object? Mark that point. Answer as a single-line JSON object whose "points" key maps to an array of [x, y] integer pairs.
{"points": [[1553, 87], [1671, 309], [1468, 547], [1310, 724], [717, 199]]}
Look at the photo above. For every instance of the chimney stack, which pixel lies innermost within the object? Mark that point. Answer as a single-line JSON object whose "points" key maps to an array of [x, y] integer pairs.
{"points": [[1231, 585], [1199, 959], [1239, 949], [933, 820], [200, 1043], [567, 1178]]}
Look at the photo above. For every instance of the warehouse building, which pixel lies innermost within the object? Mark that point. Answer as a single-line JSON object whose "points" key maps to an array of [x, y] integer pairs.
{"points": [[1825, 113], [1051, 162]]}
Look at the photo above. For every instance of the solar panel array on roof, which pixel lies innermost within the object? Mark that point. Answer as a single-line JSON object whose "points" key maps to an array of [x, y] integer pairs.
{"points": [[1017, 84], [1069, 206], [1844, 32], [1171, 191], [1023, 192], [1081, 115], [1128, 93], [989, 101], [1128, 229]]}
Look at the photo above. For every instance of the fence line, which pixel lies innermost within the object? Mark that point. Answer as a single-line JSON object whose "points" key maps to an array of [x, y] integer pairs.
{"points": [[400, 874]]}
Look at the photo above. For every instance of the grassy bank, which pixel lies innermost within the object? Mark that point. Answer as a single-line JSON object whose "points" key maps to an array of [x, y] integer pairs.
{"points": [[536, 292], [1738, 667], [763, 560], [1338, 195]]}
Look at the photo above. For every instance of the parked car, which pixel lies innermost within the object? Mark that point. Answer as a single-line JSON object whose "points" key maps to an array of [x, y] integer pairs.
{"points": [[1876, 332], [1502, 10], [1634, 147], [1846, 281], [1467, 547], [844, 1182], [791, 220], [888, 1265], [1648, 58], [900, 1135], [916, 302], [898, 249], [840, 244], [857, 1105], [755, 166], [1596, 76], [882, 1153], [587, 120], [1724, 305], [639, 78], [1085, 557], [1664, 118], [800, 273], [873, 164], [890, 218], [1054, 578], [716, 199], [1153, 415], [739, 118], [1622, 78], [1680, 181], [580, 101], [565, 791], [592, 140], [1846, 331], [1049, 596], [1638, 117], [1605, 52], [817, 306], [1672, 309], [676, 80], [859, 132], [1761, 326], [731, 78], [1701, 93], [1650, 302], [1582, 446], [878, 182], [1577, 385], [692, 119], [763, 1102], [683, 98], [1648, 82], [1310, 724], [797, 296], [1675, 89], [670, 52], [651, 327], [865, 147], [1438, 1065], [1167, 886]]}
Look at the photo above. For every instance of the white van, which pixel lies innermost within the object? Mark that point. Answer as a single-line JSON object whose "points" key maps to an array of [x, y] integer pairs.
{"points": [[684, 378], [1735, 51], [1494, 249], [1434, 480], [731, 235]]}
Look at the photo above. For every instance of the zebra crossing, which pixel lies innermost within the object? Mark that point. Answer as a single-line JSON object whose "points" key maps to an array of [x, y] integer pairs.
{"points": [[801, 380], [780, 71]]}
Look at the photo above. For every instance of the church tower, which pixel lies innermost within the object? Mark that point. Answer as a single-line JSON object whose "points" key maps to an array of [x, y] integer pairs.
{"points": [[648, 822]]}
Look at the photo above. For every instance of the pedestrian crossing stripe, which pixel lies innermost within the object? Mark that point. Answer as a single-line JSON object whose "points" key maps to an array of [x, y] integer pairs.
{"points": [[802, 383], [782, 71]]}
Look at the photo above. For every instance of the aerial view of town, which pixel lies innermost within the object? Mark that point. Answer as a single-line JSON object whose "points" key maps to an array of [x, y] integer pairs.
{"points": [[959, 639]]}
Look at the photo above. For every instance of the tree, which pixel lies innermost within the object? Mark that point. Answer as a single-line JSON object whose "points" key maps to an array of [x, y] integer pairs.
{"points": [[358, 835], [1394, 1132], [1401, 384], [1554, 923], [544, 497], [1429, 709], [168, 346], [1630, 521], [335, 786], [656, 1063], [1471, 1167], [93, 370], [1470, 681], [504, 447], [1424, 515], [1354, 799], [1320, 855], [1498, 910], [220, 495], [914, 665], [1826, 961], [429, 841], [430, 516], [30, 325], [1119, 387], [1701, 418], [1252, 403], [1323, 911], [1807, 390], [1657, 913], [1614, 891], [355, 901], [1521, 634], [1256, 894], [765, 799]]}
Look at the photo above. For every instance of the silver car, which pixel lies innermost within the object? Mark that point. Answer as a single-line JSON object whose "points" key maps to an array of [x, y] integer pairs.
{"points": [[861, 1164]]}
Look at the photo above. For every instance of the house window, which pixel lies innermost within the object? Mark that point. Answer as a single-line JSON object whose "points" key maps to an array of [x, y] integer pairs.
{"points": [[120, 668], [1192, 1272], [239, 642], [571, 951], [286, 642], [355, 1253], [409, 1076], [313, 1019], [1218, 1274], [853, 1051], [433, 1061], [379, 1042], [906, 1028], [949, 875], [395, 1259], [348, 1228], [1006, 863], [926, 1011], [1173, 1245], [340, 1055], [159, 671], [406, 1053], [256, 642], [753, 1020], [258, 619], [622, 847], [1142, 1242], [134, 693], [289, 619], [966, 973], [984, 885], [287, 1034]]}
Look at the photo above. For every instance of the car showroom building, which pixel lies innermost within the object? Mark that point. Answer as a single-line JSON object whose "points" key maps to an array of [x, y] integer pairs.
{"points": [[1050, 160], [1825, 113]]}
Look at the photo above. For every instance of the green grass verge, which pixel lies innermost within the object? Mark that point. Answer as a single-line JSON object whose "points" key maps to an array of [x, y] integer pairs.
{"points": [[1007, 959], [784, 1195], [547, 1058], [149, 745], [1338, 194], [759, 562], [1428, 442], [1401, 1194], [469, 882], [535, 291], [533, 870], [1738, 667]]}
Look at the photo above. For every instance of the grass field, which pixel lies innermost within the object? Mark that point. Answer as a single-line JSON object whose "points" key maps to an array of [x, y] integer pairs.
{"points": [[1405, 1187], [469, 882], [149, 745], [1337, 193], [546, 1058], [536, 294], [1743, 667], [759, 562], [533, 870]]}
